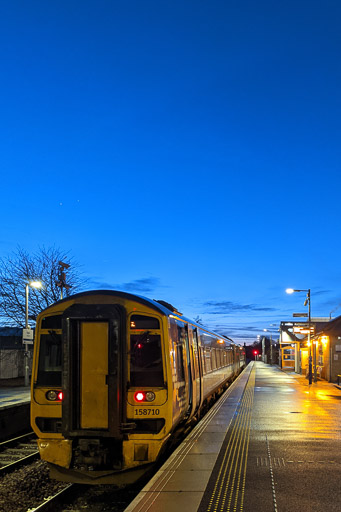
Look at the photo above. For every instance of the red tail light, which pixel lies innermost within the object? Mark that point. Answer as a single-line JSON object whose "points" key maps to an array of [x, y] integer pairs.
{"points": [[144, 396], [60, 395], [140, 396]]}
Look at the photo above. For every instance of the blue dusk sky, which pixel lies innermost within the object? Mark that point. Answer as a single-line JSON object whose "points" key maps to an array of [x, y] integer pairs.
{"points": [[183, 150]]}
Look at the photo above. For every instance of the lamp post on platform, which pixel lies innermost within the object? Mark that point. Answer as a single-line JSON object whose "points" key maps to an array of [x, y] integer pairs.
{"points": [[307, 302], [267, 330], [33, 284]]}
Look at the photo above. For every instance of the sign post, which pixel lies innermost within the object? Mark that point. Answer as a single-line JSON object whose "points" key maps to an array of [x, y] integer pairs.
{"points": [[27, 338]]}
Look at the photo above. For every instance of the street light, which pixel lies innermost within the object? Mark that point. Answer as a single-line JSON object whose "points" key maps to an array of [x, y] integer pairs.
{"points": [[33, 284], [267, 330], [307, 301]]}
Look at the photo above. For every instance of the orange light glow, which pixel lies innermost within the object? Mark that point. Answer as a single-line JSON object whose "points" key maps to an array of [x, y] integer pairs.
{"points": [[325, 340]]}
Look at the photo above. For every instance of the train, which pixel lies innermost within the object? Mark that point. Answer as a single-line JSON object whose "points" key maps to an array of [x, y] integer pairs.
{"points": [[115, 378]]}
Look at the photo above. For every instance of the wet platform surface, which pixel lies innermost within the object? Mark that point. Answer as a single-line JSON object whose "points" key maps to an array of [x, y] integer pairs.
{"points": [[271, 443]]}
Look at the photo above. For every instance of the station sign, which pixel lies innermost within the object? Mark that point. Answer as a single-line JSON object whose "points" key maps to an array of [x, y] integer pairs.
{"points": [[300, 329], [300, 315], [27, 336]]}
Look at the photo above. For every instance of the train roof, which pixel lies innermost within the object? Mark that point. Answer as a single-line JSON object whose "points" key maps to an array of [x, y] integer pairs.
{"points": [[159, 305]]}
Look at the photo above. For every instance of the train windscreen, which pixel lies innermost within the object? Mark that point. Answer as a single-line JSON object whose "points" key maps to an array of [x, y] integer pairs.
{"points": [[50, 360], [145, 360]]}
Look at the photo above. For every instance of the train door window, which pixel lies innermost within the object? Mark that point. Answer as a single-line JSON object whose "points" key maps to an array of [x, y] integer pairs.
{"points": [[50, 359], [145, 351], [224, 358], [180, 353], [196, 351]]}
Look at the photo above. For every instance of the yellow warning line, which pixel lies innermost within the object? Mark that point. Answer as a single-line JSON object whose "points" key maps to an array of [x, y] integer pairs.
{"points": [[230, 483]]}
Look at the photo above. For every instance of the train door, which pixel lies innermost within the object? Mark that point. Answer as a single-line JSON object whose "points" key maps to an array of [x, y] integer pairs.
{"points": [[196, 370], [93, 372], [189, 369], [94, 368]]}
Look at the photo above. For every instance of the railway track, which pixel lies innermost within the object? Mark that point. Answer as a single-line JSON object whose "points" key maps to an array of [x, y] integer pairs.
{"points": [[76, 497], [54, 502], [25, 484], [17, 452]]}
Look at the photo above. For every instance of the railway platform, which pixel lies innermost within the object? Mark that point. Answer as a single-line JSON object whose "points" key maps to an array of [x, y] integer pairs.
{"points": [[272, 443], [14, 411], [10, 397]]}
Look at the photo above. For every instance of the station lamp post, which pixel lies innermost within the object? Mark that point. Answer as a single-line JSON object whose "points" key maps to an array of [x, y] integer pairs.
{"points": [[267, 330], [33, 284], [307, 302]]}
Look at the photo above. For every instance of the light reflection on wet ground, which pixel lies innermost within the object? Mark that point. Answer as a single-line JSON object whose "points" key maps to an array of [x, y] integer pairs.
{"points": [[311, 411], [297, 427]]}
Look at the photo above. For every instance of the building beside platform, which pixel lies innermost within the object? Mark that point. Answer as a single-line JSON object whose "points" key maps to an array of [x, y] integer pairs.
{"points": [[325, 347], [328, 348], [11, 353]]}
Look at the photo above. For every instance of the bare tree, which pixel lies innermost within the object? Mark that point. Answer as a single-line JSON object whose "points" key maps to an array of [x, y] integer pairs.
{"points": [[20, 268]]}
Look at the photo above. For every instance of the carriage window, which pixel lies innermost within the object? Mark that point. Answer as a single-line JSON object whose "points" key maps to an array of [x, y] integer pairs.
{"points": [[144, 322], [145, 360], [213, 358], [218, 357], [208, 365], [50, 360]]}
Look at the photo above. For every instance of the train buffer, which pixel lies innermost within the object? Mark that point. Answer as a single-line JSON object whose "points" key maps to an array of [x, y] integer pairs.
{"points": [[270, 444]]}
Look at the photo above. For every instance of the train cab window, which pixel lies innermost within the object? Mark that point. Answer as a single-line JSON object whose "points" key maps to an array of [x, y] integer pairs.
{"points": [[145, 352], [52, 322], [50, 360]]}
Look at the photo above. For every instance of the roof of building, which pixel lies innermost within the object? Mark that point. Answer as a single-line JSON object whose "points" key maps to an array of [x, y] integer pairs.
{"points": [[333, 326]]}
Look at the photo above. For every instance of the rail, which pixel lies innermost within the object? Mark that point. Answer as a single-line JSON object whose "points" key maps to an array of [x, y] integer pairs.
{"points": [[17, 452]]}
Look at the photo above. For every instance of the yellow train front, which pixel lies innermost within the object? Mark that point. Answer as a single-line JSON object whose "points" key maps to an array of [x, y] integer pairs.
{"points": [[114, 376]]}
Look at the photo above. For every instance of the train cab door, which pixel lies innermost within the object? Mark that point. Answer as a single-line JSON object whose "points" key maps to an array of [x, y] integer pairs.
{"points": [[93, 372], [94, 368]]}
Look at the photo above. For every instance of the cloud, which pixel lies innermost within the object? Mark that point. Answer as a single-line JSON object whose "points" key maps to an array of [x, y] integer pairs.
{"points": [[226, 307], [146, 284], [320, 292], [100, 285]]}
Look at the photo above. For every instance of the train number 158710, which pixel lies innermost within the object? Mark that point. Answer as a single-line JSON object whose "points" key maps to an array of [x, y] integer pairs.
{"points": [[146, 412]]}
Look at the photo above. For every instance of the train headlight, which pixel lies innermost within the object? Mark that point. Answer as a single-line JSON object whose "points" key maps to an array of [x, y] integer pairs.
{"points": [[54, 396], [150, 396], [144, 396]]}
